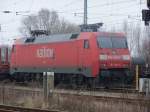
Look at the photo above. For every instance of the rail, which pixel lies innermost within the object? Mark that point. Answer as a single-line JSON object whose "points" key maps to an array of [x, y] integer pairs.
{"points": [[6, 108], [106, 96]]}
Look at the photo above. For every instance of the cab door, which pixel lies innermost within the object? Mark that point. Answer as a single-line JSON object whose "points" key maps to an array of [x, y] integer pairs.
{"points": [[84, 53], [84, 56]]}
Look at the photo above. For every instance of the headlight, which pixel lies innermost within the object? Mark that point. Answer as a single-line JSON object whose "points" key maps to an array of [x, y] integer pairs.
{"points": [[103, 57], [126, 57]]}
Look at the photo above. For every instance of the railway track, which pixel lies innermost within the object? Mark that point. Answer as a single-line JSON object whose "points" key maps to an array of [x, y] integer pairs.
{"points": [[119, 90], [102, 92], [107, 97], [98, 89], [114, 90], [6, 108], [122, 99], [114, 99], [97, 95]]}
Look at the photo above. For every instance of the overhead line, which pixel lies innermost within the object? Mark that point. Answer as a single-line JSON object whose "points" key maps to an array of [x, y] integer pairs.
{"points": [[113, 3], [69, 4], [32, 2], [91, 12], [106, 4]]}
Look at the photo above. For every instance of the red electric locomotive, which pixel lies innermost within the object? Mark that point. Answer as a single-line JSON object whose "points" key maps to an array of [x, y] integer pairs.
{"points": [[74, 58]]}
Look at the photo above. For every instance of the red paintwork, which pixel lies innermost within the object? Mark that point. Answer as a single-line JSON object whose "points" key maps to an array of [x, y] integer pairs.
{"points": [[69, 54], [115, 61]]}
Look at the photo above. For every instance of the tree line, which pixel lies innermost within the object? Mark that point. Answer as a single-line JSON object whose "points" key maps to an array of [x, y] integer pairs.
{"points": [[49, 21]]}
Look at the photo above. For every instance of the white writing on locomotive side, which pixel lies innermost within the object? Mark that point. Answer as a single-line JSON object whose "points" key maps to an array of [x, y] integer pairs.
{"points": [[45, 53]]}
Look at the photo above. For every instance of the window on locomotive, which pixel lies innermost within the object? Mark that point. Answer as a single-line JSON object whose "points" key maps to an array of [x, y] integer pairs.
{"points": [[104, 42], [3, 55], [74, 36], [31, 39], [119, 42], [9, 54], [86, 44]]}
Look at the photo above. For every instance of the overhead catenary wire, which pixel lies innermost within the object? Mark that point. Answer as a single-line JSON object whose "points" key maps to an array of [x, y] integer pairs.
{"points": [[122, 8], [113, 15], [22, 13], [106, 4], [32, 3], [74, 1], [74, 13], [69, 4], [113, 3]]}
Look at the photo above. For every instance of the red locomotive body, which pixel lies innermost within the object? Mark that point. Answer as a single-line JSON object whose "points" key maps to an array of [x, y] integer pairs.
{"points": [[60, 53], [87, 54]]}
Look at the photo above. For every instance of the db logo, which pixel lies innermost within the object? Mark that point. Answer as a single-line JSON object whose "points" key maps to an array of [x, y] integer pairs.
{"points": [[45, 53]]}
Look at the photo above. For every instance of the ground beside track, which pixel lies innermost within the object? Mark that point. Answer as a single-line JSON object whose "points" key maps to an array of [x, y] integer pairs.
{"points": [[73, 100], [113, 93], [8, 108], [102, 92]]}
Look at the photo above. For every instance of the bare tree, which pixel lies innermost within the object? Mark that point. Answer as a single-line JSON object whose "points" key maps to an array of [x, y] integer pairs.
{"points": [[138, 39], [146, 44], [125, 27], [134, 36], [47, 20], [31, 22]]}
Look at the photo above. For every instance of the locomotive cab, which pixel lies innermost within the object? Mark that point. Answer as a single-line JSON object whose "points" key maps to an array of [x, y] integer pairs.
{"points": [[113, 51], [114, 58]]}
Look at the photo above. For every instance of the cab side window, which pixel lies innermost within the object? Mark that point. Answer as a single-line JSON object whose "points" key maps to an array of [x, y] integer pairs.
{"points": [[86, 44], [3, 55], [9, 54]]}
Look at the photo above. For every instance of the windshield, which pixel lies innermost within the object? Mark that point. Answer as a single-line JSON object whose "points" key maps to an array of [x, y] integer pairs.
{"points": [[104, 42], [119, 43], [112, 42]]}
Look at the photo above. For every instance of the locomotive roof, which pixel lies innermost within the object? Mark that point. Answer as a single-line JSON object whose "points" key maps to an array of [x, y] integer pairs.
{"points": [[62, 37], [50, 38]]}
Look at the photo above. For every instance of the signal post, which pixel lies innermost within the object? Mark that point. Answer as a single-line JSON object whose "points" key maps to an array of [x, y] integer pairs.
{"points": [[146, 14]]}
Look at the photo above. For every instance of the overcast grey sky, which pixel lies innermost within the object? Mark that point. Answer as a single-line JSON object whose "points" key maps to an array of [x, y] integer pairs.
{"points": [[110, 12]]}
